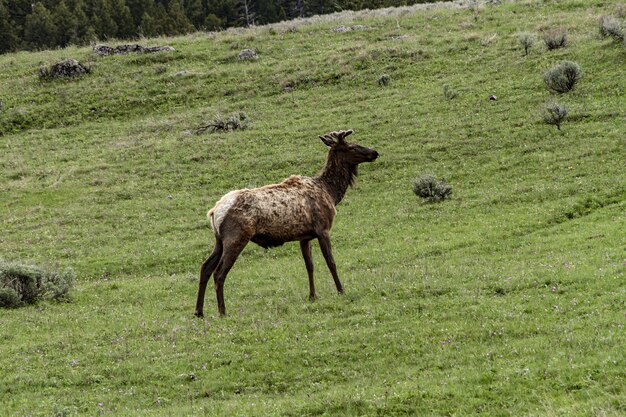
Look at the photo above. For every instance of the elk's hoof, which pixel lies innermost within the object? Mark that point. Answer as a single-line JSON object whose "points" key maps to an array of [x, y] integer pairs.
{"points": [[199, 314]]}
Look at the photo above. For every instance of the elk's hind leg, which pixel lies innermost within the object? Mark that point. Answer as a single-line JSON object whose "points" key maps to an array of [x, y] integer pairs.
{"points": [[208, 267], [235, 238]]}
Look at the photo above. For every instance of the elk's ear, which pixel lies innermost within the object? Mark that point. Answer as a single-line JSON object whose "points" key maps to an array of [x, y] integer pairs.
{"points": [[328, 140]]}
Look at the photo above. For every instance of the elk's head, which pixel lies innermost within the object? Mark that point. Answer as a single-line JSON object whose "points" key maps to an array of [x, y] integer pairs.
{"points": [[348, 152]]}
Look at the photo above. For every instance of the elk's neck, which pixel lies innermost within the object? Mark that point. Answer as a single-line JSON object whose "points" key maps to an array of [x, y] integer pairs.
{"points": [[336, 177]]}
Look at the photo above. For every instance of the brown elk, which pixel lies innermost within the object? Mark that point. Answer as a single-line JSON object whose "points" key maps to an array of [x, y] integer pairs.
{"points": [[299, 208]]}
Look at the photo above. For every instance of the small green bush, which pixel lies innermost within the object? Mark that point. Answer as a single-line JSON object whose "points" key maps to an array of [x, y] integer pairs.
{"points": [[588, 204], [235, 121], [554, 114], [9, 298], [384, 80], [555, 39], [449, 93], [26, 284], [431, 189], [610, 27], [563, 77], [527, 40]]}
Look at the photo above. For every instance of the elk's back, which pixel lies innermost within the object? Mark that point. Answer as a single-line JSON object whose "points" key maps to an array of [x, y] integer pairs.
{"points": [[294, 209]]}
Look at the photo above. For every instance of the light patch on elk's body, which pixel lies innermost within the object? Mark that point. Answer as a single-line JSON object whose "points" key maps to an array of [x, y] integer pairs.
{"points": [[218, 212], [287, 211], [282, 212]]}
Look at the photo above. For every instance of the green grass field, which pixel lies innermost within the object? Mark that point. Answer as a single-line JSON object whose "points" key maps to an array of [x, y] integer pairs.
{"points": [[506, 300]]}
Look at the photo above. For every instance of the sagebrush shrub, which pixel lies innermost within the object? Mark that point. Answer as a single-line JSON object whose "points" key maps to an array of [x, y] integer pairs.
{"points": [[555, 39], [449, 93], [26, 284], [563, 77], [431, 189], [554, 114], [235, 121], [9, 298], [247, 55], [527, 40], [610, 27]]}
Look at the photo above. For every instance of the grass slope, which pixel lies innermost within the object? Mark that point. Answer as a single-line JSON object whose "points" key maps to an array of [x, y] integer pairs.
{"points": [[506, 300]]}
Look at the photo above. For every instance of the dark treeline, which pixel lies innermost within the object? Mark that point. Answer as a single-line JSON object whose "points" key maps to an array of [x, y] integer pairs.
{"points": [[30, 25]]}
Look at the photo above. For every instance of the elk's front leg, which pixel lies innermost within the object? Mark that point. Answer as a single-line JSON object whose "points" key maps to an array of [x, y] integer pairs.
{"points": [[305, 247], [324, 239]]}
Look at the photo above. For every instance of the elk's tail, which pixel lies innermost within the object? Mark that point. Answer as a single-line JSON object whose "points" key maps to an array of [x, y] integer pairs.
{"points": [[211, 217]]}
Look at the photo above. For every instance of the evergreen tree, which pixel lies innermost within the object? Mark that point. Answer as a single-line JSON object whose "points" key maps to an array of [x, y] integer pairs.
{"points": [[8, 33], [299, 8], [248, 13], [138, 8], [195, 12], [322, 6], [148, 26], [19, 10], [293, 8], [90, 35], [268, 11], [102, 20], [88, 8], [376, 4], [160, 20], [228, 11], [120, 13], [85, 33], [212, 22], [178, 21], [65, 23], [282, 14], [39, 28]]}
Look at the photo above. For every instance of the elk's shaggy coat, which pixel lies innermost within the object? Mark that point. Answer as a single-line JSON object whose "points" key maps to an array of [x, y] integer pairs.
{"points": [[299, 208]]}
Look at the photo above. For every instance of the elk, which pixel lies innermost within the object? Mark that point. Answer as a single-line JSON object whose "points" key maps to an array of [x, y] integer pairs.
{"points": [[299, 208]]}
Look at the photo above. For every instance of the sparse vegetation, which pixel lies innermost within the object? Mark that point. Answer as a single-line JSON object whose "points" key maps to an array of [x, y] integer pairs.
{"points": [[449, 93], [431, 189], [247, 55], [384, 80], [555, 39], [527, 40], [610, 27], [27, 284], [554, 114], [563, 77], [230, 123]]}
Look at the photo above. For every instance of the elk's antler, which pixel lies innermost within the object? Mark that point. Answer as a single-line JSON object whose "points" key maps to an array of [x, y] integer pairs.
{"points": [[341, 135], [335, 137]]}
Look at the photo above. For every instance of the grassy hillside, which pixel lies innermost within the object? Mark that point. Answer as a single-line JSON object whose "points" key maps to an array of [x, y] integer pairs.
{"points": [[507, 299]]}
